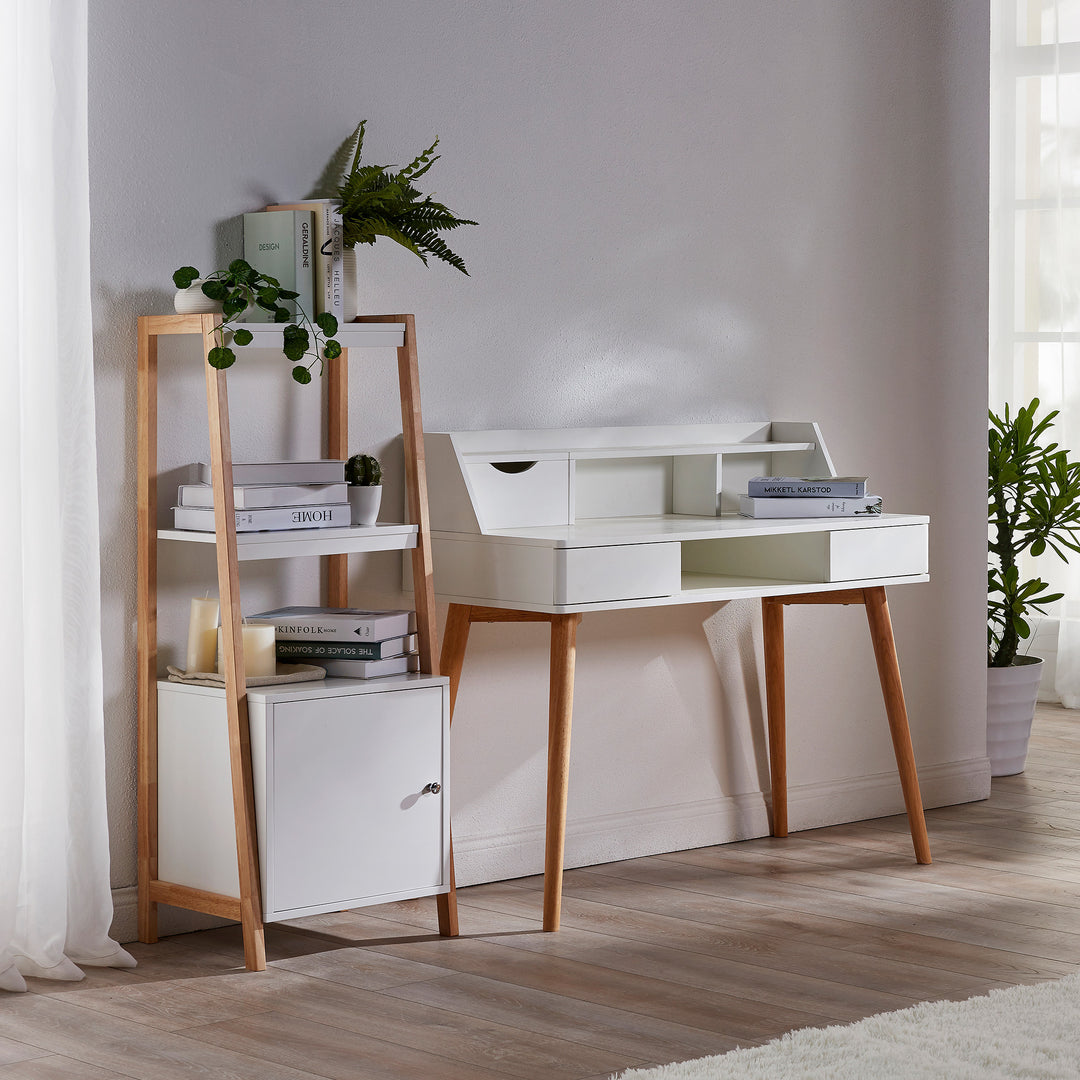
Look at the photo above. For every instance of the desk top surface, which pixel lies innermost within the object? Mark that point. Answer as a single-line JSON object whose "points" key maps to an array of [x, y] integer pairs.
{"points": [[663, 528]]}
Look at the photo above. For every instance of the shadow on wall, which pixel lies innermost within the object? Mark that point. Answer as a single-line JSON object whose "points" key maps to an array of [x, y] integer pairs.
{"points": [[733, 633]]}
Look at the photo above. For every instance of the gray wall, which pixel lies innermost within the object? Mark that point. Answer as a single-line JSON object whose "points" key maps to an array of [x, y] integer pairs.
{"points": [[694, 211]]}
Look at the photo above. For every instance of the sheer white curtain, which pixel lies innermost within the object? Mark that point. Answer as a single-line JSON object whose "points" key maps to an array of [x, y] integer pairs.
{"points": [[55, 900], [1035, 253]]}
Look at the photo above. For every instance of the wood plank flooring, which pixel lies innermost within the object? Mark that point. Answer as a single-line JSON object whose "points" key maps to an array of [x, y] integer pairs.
{"points": [[659, 959]]}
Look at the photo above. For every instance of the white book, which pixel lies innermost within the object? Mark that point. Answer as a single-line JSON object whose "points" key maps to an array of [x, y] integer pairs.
{"points": [[329, 253], [321, 471], [276, 518], [370, 669], [281, 244], [749, 506], [256, 496], [807, 487], [339, 624]]}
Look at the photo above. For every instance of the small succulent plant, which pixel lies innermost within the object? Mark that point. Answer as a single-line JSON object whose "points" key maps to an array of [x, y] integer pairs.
{"points": [[362, 470]]}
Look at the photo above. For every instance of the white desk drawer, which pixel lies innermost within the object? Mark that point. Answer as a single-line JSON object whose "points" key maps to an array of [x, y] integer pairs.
{"points": [[621, 572], [887, 552], [536, 495]]}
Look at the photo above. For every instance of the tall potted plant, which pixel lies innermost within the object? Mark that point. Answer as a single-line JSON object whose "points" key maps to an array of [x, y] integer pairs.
{"points": [[376, 201], [1034, 506]]}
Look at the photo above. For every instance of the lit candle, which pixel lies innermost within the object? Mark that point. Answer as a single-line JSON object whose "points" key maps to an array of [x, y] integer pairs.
{"points": [[260, 657], [202, 634]]}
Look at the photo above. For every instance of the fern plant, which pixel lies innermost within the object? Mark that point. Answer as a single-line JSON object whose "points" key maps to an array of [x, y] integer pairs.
{"points": [[1034, 505], [376, 201]]}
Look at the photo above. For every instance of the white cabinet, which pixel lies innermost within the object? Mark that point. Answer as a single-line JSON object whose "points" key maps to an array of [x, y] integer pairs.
{"points": [[349, 781]]}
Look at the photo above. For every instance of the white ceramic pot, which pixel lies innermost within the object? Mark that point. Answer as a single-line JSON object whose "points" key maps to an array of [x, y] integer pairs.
{"points": [[364, 502], [1010, 707], [193, 301]]}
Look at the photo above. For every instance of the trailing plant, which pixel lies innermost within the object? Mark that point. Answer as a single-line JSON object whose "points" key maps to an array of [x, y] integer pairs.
{"points": [[376, 201], [1034, 505], [242, 286], [363, 470]]}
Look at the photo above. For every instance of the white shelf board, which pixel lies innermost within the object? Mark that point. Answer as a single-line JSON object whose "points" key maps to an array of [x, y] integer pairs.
{"points": [[696, 449], [349, 335], [285, 543], [708, 587], [316, 688], [647, 529], [652, 450]]}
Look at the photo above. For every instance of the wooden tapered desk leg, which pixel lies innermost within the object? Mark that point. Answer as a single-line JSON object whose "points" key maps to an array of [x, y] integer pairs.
{"points": [[455, 638], [560, 711], [772, 621], [877, 614], [892, 690]]}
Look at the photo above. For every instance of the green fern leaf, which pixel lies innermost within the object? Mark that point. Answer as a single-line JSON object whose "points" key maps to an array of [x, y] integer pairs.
{"points": [[337, 168]]}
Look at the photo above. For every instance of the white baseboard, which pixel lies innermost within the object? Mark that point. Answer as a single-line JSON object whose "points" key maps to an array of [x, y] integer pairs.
{"points": [[498, 856]]}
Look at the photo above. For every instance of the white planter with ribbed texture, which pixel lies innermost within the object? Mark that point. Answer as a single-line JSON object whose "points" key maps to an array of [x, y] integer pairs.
{"points": [[365, 501], [1010, 708]]}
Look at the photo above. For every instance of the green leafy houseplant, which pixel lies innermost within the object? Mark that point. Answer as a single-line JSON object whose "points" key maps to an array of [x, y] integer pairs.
{"points": [[362, 470], [1034, 504], [376, 201], [240, 287]]}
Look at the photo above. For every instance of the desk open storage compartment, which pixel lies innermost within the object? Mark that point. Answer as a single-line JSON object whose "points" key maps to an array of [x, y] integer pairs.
{"points": [[814, 557]]}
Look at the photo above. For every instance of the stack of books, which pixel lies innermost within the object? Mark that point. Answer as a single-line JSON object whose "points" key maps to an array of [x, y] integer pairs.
{"points": [[807, 496], [350, 643], [299, 244], [270, 495]]}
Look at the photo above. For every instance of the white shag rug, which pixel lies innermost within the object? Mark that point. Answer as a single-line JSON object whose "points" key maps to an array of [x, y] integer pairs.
{"points": [[1015, 1034]]}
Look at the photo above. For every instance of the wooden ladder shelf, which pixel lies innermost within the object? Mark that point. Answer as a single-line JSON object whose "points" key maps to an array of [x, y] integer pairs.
{"points": [[248, 909]]}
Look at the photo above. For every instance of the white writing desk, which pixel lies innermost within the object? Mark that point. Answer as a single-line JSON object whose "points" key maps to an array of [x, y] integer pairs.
{"points": [[545, 525]]}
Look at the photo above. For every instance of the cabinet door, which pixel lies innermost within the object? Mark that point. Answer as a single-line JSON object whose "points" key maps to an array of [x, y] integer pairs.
{"points": [[350, 819]]}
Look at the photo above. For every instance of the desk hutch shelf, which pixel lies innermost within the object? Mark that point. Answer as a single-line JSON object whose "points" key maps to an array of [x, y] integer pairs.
{"points": [[263, 755]]}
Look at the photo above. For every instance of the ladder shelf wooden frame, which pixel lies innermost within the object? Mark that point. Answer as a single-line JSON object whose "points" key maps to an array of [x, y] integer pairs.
{"points": [[248, 909]]}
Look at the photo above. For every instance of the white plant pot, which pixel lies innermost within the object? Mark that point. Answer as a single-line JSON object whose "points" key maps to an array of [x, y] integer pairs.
{"points": [[350, 285], [364, 502], [1010, 707], [193, 301]]}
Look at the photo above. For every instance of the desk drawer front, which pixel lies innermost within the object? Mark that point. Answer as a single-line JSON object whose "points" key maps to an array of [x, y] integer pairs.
{"points": [[621, 572], [886, 552], [537, 495]]}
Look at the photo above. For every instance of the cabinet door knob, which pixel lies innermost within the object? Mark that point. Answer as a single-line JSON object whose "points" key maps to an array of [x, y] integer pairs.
{"points": [[432, 789]]}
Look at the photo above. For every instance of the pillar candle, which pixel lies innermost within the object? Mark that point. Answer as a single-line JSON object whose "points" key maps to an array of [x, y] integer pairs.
{"points": [[260, 657], [202, 634]]}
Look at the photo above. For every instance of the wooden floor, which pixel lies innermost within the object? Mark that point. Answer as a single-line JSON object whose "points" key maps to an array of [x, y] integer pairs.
{"points": [[659, 959]]}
